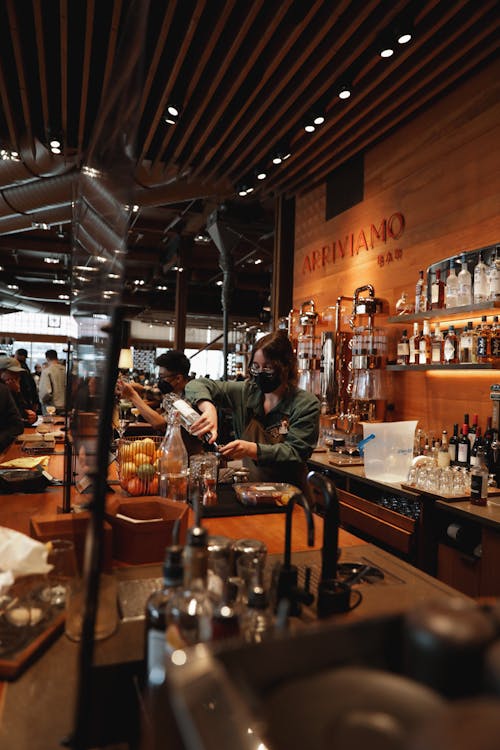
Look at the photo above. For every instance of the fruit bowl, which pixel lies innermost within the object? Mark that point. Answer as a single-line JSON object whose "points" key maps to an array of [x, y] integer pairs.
{"points": [[138, 465]]}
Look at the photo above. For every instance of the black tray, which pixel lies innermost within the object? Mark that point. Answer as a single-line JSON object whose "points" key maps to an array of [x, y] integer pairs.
{"points": [[229, 505]]}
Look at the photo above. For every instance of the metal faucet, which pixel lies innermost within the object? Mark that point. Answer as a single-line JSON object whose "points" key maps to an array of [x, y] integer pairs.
{"points": [[329, 551], [285, 576]]}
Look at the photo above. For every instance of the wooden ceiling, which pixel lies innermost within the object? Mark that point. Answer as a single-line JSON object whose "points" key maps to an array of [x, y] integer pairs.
{"points": [[246, 75]]}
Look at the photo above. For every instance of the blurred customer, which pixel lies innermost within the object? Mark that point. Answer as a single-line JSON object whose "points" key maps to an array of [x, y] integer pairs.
{"points": [[28, 385], [52, 388], [11, 423], [10, 376], [36, 375]]}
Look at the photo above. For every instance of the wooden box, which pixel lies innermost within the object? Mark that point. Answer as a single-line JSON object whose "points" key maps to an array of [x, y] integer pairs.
{"points": [[71, 526], [143, 527]]}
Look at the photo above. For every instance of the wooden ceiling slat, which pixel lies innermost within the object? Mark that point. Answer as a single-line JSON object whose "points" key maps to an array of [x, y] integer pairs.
{"points": [[42, 68], [111, 46], [63, 15], [344, 128], [21, 75], [304, 94], [89, 24], [234, 139], [7, 110], [224, 101], [152, 71], [183, 52], [201, 66], [414, 99], [223, 69]]}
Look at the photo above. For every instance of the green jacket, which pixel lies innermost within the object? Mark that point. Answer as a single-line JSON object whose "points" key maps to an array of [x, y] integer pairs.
{"points": [[295, 418]]}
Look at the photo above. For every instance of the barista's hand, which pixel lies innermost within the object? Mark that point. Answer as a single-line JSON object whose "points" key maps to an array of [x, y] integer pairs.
{"points": [[125, 389], [239, 449], [206, 422], [30, 416]]}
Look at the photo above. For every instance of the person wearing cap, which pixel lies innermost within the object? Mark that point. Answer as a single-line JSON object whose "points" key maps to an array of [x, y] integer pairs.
{"points": [[28, 385], [52, 388], [10, 376]]}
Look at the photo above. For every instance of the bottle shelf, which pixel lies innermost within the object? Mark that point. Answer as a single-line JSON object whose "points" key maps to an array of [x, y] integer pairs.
{"points": [[449, 313], [447, 368]]}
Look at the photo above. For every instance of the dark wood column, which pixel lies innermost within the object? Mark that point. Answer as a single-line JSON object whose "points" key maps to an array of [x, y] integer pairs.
{"points": [[284, 245]]}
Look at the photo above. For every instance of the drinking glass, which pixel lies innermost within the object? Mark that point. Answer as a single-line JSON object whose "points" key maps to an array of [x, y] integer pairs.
{"points": [[62, 557], [107, 609], [202, 466]]}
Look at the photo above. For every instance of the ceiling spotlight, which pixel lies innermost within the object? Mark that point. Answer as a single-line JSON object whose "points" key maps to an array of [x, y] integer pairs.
{"points": [[261, 174], [14, 287], [344, 92], [162, 288], [113, 275], [63, 296], [171, 114], [139, 282], [281, 154], [244, 189], [55, 144], [219, 283], [403, 32], [58, 281], [257, 261], [51, 260]]}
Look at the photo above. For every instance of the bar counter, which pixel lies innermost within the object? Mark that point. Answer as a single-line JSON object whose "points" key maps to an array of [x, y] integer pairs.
{"points": [[38, 707]]}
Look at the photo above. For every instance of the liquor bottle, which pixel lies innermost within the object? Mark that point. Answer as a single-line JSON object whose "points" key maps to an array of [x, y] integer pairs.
{"points": [[437, 345], [479, 480], [188, 415], [420, 295], [451, 290], [190, 612], [481, 281], [466, 339], [258, 621], [403, 357], [156, 615], [443, 456], [464, 284], [227, 613], [488, 440], [173, 461], [413, 358], [478, 445], [495, 340], [437, 292], [483, 342], [424, 345], [463, 448], [453, 446], [494, 277], [450, 349]]}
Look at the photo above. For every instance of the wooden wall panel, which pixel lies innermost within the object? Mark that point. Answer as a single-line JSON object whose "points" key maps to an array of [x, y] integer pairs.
{"points": [[441, 172]]}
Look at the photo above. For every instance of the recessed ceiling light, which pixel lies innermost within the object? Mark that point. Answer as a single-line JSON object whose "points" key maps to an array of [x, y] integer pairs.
{"points": [[257, 261], [219, 283], [162, 288], [113, 275], [386, 52], [52, 260], [14, 287], [63, 296], [58, 281]]}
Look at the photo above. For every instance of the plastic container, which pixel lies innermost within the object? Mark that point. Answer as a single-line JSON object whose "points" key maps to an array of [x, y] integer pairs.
{"points": [[388, 457], [269, 493]]}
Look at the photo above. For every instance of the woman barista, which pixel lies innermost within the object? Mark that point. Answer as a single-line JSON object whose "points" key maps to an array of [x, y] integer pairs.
{"points": [[276, 423]]}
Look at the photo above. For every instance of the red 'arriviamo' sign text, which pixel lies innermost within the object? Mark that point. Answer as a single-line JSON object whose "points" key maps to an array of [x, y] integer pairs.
{"points": [[391, 228]]}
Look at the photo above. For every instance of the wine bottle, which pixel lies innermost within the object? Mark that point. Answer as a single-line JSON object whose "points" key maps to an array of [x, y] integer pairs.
{"points": [[463, 448], [443, 456], [453, 446], [478, 445]]}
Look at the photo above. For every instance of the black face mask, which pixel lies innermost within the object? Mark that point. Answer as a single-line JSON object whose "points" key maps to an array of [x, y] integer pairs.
{"points": [[164, 386], [267, 382]]}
